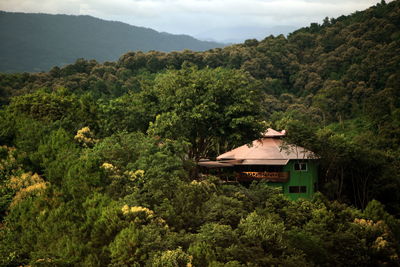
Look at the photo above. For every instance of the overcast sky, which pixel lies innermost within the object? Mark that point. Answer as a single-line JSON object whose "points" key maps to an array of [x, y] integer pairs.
{"points": [[217, 19]]}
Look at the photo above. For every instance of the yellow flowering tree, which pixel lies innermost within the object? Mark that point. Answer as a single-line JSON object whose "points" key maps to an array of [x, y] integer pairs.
{"points": [[172, 258], [25, 185], [9, 169], [85, 137]]}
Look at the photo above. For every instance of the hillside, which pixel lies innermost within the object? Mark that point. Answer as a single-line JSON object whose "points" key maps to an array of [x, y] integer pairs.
{"points": [[37, 42], [98, 160]]}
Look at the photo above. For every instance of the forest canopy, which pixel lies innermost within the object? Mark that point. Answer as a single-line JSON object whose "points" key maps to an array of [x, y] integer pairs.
{"points": [[98, 160]]}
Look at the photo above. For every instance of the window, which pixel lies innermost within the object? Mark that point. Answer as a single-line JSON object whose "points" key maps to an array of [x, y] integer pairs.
{"points": [[300, 166], [297, 189]]}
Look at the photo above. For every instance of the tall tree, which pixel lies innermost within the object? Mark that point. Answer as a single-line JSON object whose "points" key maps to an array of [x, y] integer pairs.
{"points": [[207, 107]]}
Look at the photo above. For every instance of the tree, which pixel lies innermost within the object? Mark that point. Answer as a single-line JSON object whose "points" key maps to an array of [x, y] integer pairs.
{"points": [[209, 108], [172, 258]]}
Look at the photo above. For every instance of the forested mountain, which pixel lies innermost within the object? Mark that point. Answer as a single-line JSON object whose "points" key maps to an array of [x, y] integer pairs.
{"points": [[97, 163], [37, 42]]}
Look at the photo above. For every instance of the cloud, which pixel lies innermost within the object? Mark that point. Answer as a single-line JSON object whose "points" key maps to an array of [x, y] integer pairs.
{"points": [[40, 6], [194, 16]]}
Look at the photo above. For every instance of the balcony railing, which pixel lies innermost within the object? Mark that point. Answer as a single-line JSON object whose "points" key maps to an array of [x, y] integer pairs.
{"points": [[280, 177]]}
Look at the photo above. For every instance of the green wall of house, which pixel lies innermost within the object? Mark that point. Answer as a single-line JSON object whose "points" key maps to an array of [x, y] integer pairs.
{"points": [[301, 183]]}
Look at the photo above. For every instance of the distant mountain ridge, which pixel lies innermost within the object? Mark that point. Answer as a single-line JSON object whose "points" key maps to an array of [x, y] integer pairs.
{"points": [[37, 42], [243, 33]]}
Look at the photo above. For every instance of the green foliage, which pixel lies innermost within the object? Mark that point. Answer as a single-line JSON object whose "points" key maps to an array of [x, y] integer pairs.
{"points": [[172, 258], [44, 106], [183, 211], [266, 231], [55, 154], [195, 102], [97, 161], [135, 244], [376, 211], [224, 210]]}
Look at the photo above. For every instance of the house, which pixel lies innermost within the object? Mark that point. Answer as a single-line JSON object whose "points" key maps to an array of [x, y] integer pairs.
{"points": [[290, 167]]}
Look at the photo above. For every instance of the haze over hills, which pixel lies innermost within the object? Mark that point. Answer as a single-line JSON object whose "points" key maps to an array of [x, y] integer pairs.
{"points": [[37, 42], [244, 32]]}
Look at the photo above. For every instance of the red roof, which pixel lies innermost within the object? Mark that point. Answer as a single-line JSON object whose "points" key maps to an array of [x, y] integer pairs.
{"points": [[272, 133], [267, 151]]}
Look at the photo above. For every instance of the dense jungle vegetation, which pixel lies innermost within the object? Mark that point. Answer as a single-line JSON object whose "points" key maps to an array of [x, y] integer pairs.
{"points": [[97, 161]]}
